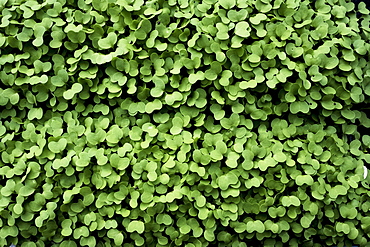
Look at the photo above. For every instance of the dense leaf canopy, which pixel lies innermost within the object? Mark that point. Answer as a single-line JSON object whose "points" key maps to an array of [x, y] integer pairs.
{"points": [[184, 123]]}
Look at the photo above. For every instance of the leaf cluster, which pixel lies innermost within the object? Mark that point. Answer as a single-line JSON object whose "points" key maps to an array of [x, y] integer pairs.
{"points": [[184, 123]]}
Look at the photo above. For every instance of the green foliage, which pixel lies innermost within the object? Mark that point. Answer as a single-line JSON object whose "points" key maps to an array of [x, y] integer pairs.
{"points": [[184, 123]]}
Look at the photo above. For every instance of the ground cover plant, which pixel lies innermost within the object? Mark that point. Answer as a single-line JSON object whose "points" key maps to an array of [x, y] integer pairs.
{"points": [[184, 123]]}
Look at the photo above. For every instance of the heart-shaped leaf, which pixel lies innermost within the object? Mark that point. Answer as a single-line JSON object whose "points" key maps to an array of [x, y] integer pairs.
{"points": [[136, 226], [57, 146]]}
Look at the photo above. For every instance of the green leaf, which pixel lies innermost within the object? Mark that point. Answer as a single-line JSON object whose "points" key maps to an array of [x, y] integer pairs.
{"points": [[209, 235], [290, 200], [331, 62], [136, 226], [304, 179], [135, 133], [306, 220], [342, 227], [210, 74], [76, 88], [255, 226], [100, 5], [199, 76], [200, 201], [360, 46], [6, 231], [35, 113], [284, 74], [79, 232], [227, 4], [294, 51], [38, 31], [152, 106], [248, 84], [337, 190], [236, 16], [242, 29], [339, 11], [264, 164], [299, 106], [114, 135], [258, 18], [164, 219], [263, 6], [57, 146], [108, 42], [225, 78], [116, 235], [75, 34], [26, 191], [348, 114], [217, 111], [226, 180], [280, 157], [365, 140], [171, 98], [232, 159], [348, 211], [282, 31], [150, 129]]}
